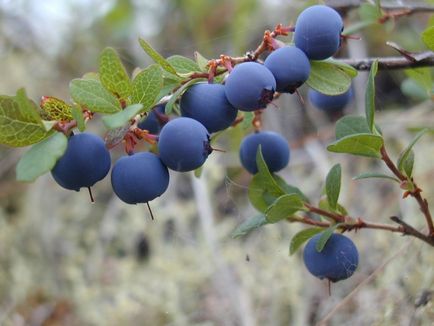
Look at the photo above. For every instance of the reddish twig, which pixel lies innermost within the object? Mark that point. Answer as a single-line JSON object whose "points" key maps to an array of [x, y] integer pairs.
{"points": [[336, 217], [415, 192]]}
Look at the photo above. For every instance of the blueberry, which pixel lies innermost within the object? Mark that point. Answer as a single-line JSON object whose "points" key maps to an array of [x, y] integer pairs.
{"points": [[184, 144], [330, 103], [274, 147], [207, 103], [289, 66], [139, 178], [151, 122], [318, 32], [337, 261], [250, 86], [85, 161]]}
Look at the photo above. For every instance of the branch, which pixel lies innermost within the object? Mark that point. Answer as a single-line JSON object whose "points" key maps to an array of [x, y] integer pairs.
{"points": [[423, 203], [391, 63], [408, 229], [410, 8], [347, 223]]}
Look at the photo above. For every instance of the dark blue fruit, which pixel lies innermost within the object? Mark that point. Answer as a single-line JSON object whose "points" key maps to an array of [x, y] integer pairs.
{"points": [[274, 147], [330, 103], [85, 161], [207, 103], [318, 32], [289, 66], [184, 144], [151, 122], [337, 261], [139, 178], [250, 86]]}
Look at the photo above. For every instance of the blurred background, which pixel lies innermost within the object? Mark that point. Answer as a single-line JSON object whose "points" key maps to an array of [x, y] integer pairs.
{"points": [[64, 261]]}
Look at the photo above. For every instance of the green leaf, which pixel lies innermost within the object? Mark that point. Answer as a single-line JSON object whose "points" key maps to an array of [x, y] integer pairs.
{"points": [[92, 95], [201, 61], [146, 86], [422, 76], [48, 125], [349, 70], [121, 118], [113, 75], [369, 13], [168, 86], [412, 89], [428, 37], [406, 158], [370, 96], [358, 144], [19, 128], [378, 6], [322, 241], [328, 78], [375, 175], [27, 107], [260, 196], [198, 172], [354, 28], [183, 65], [284, 207], [178, 93], [350, 125], [333, 185], [324, 205], [301, 237], [267, 179], [158, 58], [288, 189], [249, 225], [77, 114], [408, 164], [55, 109], [247, 119], [41, 158]]}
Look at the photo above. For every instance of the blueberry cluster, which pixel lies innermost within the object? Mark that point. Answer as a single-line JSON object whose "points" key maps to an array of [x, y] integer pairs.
{"points": [[184, 142]]}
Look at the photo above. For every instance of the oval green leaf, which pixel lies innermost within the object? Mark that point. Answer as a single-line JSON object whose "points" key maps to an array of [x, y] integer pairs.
{"points": [[358, 144], [301, 237], [249, 225], [333, 185], [284, 207], [41, 158], [92, 95], [146, 86], [113, 75], [328, 78], [122, 118]]}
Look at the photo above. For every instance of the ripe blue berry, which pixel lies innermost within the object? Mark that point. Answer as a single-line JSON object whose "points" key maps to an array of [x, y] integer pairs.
{"points": [[85, 161], [151, 122], [289, 66], [139, 178], [337, 261], [318, 32], [207, 103], [274, 147], [184, 144], [330, 103], [250, 86]]}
